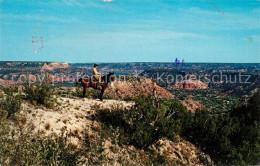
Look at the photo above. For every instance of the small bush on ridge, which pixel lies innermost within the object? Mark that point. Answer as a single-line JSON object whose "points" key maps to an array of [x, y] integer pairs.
{"points": [[41, 93], [11, 102]]}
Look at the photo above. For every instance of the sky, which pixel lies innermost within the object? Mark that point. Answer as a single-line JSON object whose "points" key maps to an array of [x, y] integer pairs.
{"points": [[86, 31]]}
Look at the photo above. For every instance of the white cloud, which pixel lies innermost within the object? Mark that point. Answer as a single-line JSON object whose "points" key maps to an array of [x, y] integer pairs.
{"points": [[107, 0]]}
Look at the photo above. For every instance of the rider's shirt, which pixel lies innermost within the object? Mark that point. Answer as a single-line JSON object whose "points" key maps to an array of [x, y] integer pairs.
{"points": [[95, 72]]}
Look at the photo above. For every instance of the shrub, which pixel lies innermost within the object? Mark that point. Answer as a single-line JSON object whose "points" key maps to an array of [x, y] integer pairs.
{"points": [[41, 93], [78, 92], [147, 121], [231, 138], [1, 94], [18, 148], [36, 150], [4, 131], [12, 102], [91, 93]]}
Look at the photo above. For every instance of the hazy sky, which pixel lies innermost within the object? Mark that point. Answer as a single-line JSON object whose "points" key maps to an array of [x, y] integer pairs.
{"points": [[130, 30]]}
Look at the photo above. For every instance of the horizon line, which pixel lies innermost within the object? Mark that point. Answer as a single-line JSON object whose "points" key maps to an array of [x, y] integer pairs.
{"points": [[129, 62]]}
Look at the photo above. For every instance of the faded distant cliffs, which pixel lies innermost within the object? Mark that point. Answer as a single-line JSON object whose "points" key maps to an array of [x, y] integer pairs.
{"points": [[54, 65]]}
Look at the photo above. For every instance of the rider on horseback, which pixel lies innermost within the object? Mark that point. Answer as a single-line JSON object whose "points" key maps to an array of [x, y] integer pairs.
{"points": [[96, 75]]}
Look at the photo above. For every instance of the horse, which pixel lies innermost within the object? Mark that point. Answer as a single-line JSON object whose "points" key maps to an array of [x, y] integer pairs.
{"points": [[87, 82]]}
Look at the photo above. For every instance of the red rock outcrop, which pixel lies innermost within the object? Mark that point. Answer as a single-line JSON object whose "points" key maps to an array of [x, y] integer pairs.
{"points": [[192, 105], [128, 89], [46, 67], [6, 82], [59, 65], [191, 84], [54, 65]]}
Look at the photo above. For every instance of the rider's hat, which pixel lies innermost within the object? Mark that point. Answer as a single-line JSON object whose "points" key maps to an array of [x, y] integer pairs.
{"points": [[95, 65]]}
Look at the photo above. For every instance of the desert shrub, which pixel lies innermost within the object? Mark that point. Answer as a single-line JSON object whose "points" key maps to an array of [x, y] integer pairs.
{"points": [[147, 121], [59, 151], [40, 93], [78, 92], [4, 131], [1, 94], [8, 90], [231, 138], [11, 102], [18, 148], [36, 150], [91, 93]]}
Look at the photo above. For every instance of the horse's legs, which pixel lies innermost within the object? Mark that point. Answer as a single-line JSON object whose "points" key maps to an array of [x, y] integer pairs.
{"points": [[84, 91], [101, 94]]}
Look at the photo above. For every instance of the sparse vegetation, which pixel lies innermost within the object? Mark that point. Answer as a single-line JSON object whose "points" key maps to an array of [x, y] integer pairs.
{"points": [[12, 102], [230, 138], [41, 93], [28, 150], [91, 93], [23, 120], [47, 126], [1, 94], [146, 122], [78, 91], [213, 100]]}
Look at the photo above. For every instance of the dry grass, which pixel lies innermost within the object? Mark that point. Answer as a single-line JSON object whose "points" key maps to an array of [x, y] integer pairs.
{"points": [[65, 121], [47, 126], [23, 120]]}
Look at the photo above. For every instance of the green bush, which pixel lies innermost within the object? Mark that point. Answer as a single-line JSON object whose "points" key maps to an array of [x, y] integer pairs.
{"points": [[91, 93], [19, 148], [78, 92], [40, 93], [147, 121], [4, 131], [229, 138], [11, 102], [1, 94], [38, 150]]}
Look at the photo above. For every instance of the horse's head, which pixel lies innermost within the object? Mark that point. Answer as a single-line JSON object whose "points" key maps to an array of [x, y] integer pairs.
{"points": [[112, 76]]}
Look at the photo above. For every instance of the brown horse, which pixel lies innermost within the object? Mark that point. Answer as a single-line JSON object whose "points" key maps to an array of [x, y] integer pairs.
{"points": [[87, 82]]}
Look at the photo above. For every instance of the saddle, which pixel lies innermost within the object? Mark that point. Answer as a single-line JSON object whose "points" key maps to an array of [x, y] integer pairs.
{"points": [[93, 79], [96, 82]]}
